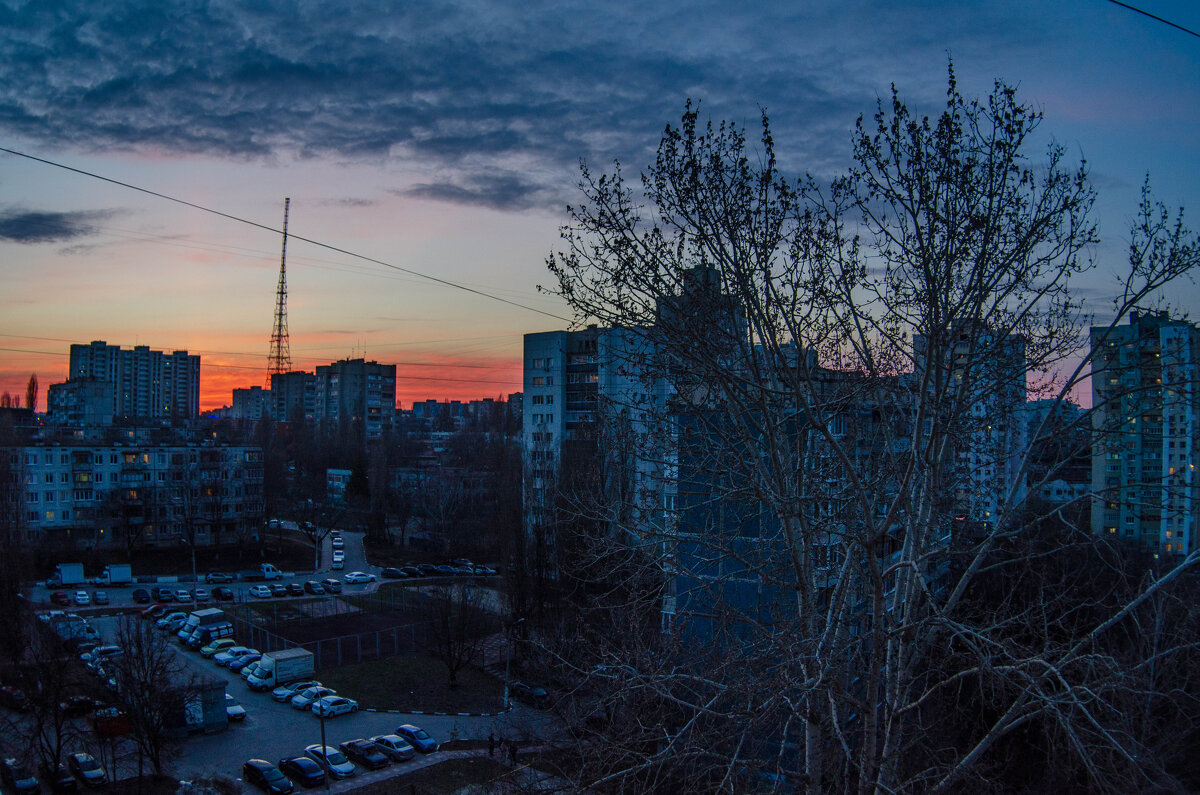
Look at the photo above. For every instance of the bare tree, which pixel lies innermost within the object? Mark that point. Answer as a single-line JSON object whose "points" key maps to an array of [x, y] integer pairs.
{"points": [[827, 465], [31, 393], [154, 688], [457, 627]]}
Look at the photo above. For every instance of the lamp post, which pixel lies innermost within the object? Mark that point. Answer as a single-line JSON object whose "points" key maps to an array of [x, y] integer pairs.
{"points": [[508, 659], [321, 715]]}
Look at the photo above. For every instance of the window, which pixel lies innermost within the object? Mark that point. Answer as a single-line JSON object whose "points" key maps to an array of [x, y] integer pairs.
{"points": [[538, 399], [539, 381]]}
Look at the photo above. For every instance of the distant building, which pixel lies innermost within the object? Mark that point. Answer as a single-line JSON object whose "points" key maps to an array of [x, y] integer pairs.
{"points": [[250, 405], [1146, 425], [147, 385], [82, 402], [355, 391], [293, 397]]}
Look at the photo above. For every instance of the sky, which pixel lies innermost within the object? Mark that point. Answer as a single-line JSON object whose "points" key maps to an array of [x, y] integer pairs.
{"points": [[444, 139]]}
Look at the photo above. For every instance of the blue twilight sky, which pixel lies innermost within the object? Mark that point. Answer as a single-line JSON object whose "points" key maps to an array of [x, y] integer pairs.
{"points": [[445, 138]]}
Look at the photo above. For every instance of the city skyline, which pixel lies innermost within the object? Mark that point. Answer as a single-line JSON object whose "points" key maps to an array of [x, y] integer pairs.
{"points": [[446, 141]]}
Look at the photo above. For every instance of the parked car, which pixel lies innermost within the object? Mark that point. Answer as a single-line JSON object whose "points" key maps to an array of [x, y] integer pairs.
{"points": [[334, 761], [202, 596], [329, 706], [394, 746], [217, 646], [78, 706], [260, 592], [392, 574], [305, 698], [157, 610], [85, 767], [177, 617], [338, 543], [233, 710], [59, 778], [417, 737], [60, 598], [248, 670], [303, 770], [530, 694], [365, 753], [358, 577], [410, 571], [82, 599], [244, 661], [183, 595], [100, 654], [214, 577], [285, 692], [278, 589], [295, 589], [315, 588], [332, 586], [338, 564], [224, 658], [17, 778], [223, 593], [100, 597], [268, 778], [141, 596]]}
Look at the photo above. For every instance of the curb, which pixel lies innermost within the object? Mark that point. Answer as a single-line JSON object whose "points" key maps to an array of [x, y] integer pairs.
{"points": [[437, 714]]}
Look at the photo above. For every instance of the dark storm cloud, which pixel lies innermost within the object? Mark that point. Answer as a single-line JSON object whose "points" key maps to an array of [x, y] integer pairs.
{"points": [[469, 87], [34, 226]]}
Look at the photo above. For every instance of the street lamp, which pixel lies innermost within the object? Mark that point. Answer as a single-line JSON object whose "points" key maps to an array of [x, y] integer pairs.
{"points": [[508, 659]]}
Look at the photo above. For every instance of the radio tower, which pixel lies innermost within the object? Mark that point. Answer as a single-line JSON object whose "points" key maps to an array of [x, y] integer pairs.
{"points": [[280, 358]]}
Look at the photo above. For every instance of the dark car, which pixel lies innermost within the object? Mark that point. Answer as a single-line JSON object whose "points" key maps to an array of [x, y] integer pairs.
{"points": [[156, 611], [223, 593], [315, 588], [17, 778], [164, 595], [78, 706], [278, 589], [410, 571], [295, 589], [365, 753], [427, 569], [13, 698], [530, 694], [87, 769], [218, 577], [59, 778], [264, 775], [392, 574], [332, 586], [141, 596], [302, 770], [417, 737], [60, 598]]}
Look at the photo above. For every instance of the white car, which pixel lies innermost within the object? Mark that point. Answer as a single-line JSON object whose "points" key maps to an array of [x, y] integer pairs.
{"points": [[171, 618], [234, 710], [331, 759], [82, 598], [358, 576], [305, 698], [328, 706], [183, 595], [260, 592], [338, 564]]}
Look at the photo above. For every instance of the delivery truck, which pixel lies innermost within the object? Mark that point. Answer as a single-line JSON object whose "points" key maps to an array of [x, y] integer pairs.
{"points": [[280, 667], [116, 574], [198, 619], [264, 572], [68, 574]]}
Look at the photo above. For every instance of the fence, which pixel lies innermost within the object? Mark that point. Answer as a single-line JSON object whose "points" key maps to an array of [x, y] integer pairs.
{"points": [[337, 651]]}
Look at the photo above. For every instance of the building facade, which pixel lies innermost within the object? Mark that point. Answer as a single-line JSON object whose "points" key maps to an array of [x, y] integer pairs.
{"points": [[293, 397], [94, 493], [146, 384], [356, 391], [1145, 377]]}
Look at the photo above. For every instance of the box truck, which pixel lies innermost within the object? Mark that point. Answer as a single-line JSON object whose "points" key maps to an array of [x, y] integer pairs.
{"points": [[280, 667], [116, 574], [264, 572], [68, 574], [199, 619]]}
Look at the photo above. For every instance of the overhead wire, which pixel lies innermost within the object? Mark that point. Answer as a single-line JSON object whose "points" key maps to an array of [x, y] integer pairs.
{"points": [[1155, 17], [267, 227]]}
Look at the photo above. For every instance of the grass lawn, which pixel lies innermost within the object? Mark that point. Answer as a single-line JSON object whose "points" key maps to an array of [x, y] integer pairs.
{"points": [[415, 682], [444, 778]]}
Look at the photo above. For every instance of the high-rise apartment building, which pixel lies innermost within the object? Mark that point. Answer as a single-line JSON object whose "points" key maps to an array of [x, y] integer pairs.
{"points": [[356, 391], [1145, 399], [147, 385], [293, 397]]}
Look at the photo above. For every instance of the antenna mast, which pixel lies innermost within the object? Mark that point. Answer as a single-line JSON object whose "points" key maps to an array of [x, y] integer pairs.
{"points": [[280, 358]]}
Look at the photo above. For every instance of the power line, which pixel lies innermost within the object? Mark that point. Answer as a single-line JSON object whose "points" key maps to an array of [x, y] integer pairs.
{"points": [[1155, 17], [418, 274]]}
